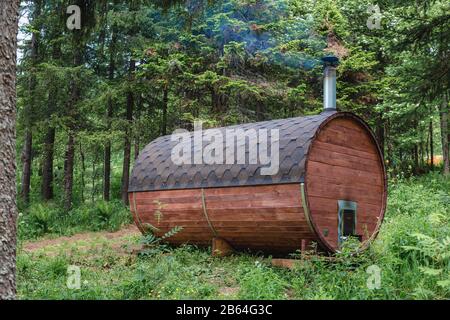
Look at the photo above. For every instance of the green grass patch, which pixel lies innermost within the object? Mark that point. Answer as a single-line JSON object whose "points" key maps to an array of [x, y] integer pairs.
{"points": [[50, 219], [412, 253]]}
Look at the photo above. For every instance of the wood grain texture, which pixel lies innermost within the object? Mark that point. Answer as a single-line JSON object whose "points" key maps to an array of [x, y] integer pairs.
{"points": [[268, 218], [221, 248], [344, 164]]}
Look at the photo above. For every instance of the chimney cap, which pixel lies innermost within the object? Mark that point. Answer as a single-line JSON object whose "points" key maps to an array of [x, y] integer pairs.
{"points": [[332, 61]]}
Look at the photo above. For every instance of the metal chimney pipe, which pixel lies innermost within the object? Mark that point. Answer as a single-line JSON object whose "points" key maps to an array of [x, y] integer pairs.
{"points": [[329, 83]]}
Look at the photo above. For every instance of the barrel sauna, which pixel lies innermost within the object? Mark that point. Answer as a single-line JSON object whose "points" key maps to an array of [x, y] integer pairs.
{"points": [[331, 184]]}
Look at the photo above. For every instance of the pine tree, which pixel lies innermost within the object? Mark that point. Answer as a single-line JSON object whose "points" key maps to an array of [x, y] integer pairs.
{"points": [[9, 12]]}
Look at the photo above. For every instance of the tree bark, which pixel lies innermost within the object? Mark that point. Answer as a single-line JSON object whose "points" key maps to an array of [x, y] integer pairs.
{"points": [[83, 172], [109, 115], [9, 12], [416, 158], [49, 140], [444, 133], [26, 161], [107, 161], [28, 112], [127, 142], [380, 132], [72, 113], [47, 166], [421, 153], [69, 161], [164, 110], [136, 147], [218, 101], [430, 129], [107, 171], [137, 140], [388, 142], [68, 171], [94, 175], [126, 169]]}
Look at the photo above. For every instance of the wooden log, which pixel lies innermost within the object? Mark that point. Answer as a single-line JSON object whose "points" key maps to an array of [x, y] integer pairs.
{"points": [[221, 248]]}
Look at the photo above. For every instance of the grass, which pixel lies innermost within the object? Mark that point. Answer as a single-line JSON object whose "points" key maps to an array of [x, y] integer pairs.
{"points": [[412, 252], [52, 220]]}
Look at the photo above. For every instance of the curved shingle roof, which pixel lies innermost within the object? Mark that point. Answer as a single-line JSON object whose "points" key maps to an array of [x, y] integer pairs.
{"points": [[155, 170]]}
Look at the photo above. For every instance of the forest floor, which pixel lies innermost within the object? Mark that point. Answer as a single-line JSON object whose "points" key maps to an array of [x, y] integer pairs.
{"points": [[117, 240], [410, 253]]}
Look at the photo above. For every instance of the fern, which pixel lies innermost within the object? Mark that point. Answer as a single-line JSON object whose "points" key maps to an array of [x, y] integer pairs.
{"points": [[437, 268], [430, 271], [158, 212], [152, 243], [171, 233]]}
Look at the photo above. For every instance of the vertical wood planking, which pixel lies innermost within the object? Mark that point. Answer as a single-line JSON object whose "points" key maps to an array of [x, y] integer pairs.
{"points": [[344, 164]]}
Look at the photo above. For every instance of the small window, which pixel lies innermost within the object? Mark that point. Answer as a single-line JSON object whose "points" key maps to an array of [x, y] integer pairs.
{"points": [[347, 220]]}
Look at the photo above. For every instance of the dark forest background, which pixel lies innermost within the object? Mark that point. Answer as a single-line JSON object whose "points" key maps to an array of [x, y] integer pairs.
{"points": [[89, 100]]}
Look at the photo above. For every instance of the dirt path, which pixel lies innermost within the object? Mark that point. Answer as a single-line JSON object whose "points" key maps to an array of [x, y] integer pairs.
{"points": [[84, 240]]}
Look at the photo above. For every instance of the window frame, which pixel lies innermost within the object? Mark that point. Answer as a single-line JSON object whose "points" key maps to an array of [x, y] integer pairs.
{"points": [[343, 206]]}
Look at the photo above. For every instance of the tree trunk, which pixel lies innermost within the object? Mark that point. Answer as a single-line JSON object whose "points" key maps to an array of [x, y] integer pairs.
{"points": [[380, 132], [259, 112], [109, 114], [444, 134], [388, 142], [415, 149], [26, 161], [69, 158], [136, 147], [49, 142], [28, 111], [72, 113], [416, 158], [137, 133], [126, 168], [107, 171], [127, 142], [47, 166], [68, 171], [431, 143], [9, 11], [94, 175], [164, 110], [219, 101], [83, 172], [422, 153]]}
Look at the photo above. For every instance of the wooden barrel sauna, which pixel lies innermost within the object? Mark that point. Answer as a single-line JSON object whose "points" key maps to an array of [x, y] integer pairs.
{"points": [[331, 184]]}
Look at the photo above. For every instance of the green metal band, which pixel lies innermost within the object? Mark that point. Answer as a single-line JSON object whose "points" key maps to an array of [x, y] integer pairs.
{"points": [[306, 207], [205, 212]]}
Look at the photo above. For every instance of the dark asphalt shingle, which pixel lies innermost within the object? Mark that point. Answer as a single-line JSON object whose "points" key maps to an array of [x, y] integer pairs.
{"points": [[154, 169]]}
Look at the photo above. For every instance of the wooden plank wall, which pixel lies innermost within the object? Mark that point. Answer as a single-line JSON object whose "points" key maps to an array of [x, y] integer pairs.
{"points": [[344, 164], [266, 218]]}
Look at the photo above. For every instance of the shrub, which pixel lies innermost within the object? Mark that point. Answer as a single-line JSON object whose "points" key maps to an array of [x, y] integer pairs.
{"points": [[43, 219], [261, 282], [39, 220]]}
